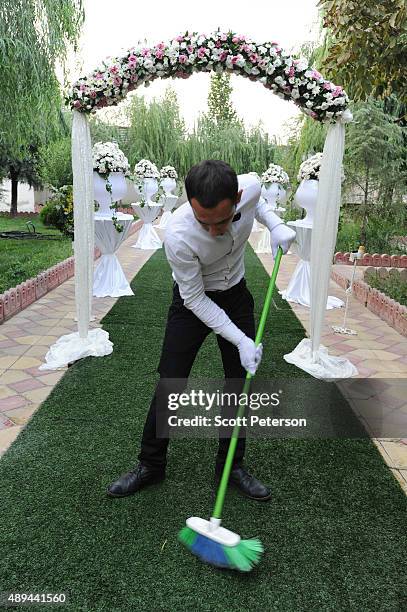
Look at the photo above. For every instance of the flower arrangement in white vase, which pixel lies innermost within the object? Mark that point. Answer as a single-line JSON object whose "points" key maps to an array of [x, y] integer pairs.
{"points": [[307, 192], [275, 182], [110, 168], [146, 176], [168, 180]]}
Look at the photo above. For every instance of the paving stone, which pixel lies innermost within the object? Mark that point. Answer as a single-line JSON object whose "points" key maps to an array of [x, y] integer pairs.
{"points": [[27, 385], [25, 362], [7, 437], [14, 401], [397, 453]]}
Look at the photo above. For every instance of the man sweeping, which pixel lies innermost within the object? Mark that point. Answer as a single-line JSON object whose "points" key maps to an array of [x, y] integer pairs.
{"points": [[204, 244]]}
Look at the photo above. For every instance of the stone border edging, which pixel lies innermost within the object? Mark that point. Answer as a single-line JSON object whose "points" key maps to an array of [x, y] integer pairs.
{"points": [[390, 311], [17, 298], [376, 260]]}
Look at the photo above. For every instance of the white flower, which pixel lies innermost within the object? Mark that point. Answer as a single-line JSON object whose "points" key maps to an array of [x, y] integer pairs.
{"points": [[148, 63], [168, 172], [275, 174], [107, 157], [302, 64], [146, 169]]}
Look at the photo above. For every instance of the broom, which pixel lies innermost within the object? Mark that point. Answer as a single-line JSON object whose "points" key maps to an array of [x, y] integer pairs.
{"points": [[207, 539]]}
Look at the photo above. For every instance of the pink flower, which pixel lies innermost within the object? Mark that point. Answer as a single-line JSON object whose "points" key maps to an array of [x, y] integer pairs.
{"points": [[218, 44], [201, 52], [133, 78], [114, 70], [337, 91], [223, 37], [99, 75], [327, 86], [117, 80], [223, 56], [182, 58], [316, 74], [246, 48], [82, 87], [92, 94], [291, 72], [235, 39], [190, 49], [77, 104], [159, 54], [179, 38], [145, 52], [313, 114], [234, 59], [254, 58], [132, 58]]}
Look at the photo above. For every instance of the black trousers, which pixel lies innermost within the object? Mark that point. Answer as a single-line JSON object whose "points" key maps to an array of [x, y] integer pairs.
{"points": [[184, 335]]}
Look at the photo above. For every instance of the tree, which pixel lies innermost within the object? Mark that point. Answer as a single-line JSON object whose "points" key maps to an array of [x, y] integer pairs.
{"points": [[34, 36], [156, 131], [375, 162], [220, 107], [367, 46], [25, 169]]}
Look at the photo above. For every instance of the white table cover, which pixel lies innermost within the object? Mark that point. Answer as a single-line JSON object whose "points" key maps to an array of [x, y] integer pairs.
{"points": [[109, 278], [257, 227], [148, 237], [264, 243], [169, 202], [299, 287]]}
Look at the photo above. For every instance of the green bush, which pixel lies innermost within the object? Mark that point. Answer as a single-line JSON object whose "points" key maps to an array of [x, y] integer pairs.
{"points": [[392, 285], [58, 211], [379, 234]]}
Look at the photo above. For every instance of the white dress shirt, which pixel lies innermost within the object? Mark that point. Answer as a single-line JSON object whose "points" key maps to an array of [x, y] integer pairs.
{"points": [[201, 262]]}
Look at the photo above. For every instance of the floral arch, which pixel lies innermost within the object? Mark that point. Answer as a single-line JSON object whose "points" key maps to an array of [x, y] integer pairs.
{"points": [[288, 77]]}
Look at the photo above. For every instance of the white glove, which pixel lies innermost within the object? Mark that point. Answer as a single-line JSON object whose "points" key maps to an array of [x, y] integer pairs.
{"points": [[250, 354], [281, 235]]}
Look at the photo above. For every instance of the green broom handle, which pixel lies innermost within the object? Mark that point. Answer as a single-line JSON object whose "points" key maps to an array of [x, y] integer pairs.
{"points": [[220, 496]]}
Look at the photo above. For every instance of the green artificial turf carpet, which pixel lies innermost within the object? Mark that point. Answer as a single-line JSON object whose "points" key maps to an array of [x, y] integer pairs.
{"points": [[334, 532]]}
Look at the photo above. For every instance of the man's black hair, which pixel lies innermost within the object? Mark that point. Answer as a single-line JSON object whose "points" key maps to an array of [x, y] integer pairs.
{"points": [[210, 182]]}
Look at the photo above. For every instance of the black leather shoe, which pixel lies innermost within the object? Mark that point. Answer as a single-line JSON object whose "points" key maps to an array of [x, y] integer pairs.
{"points": [[246, 484], [133, 481]]}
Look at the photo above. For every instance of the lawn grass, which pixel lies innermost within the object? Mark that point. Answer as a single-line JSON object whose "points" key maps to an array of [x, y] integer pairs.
{"points": [[334, 532], [25, 258]]}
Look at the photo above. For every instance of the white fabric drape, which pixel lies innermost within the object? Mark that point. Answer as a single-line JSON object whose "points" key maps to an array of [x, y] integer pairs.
{"points": [[147, 237], [82, 167], [326, 224], [109, 278], [309, 355], [83, 343], [71, 347], [299, 287]]}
